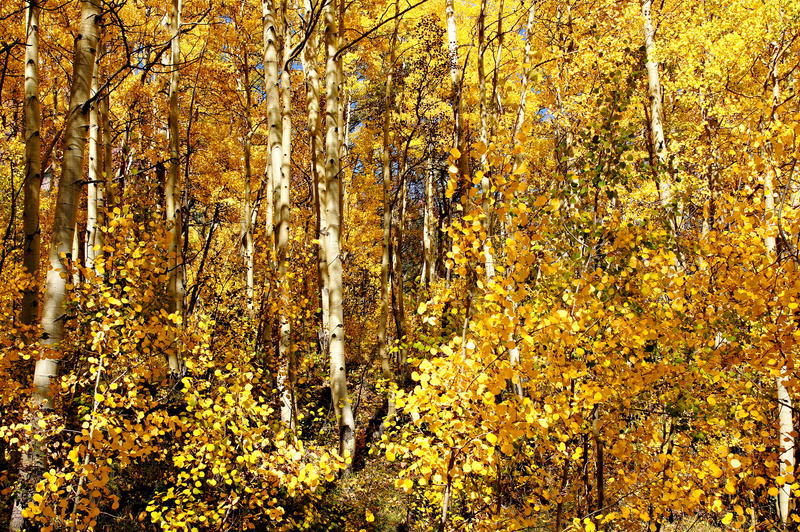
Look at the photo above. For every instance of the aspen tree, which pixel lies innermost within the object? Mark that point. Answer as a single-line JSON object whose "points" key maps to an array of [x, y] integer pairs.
{"points": [[488, 256], [428, 275], [519, 121], [386, 177], [455, 78], [282, 214], [106, 188], [95, 170], [247, 206], [657, 139], [75, 252], [60, 254], [498, 59], [69, 189], [317, 167], [338, 372], [30, 221], [172, 188], [398, 227], [273, 103], [33, 163], [786, 431]]}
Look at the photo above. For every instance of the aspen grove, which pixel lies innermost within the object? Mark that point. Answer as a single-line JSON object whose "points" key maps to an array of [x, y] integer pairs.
{"points": [[491, 265]]}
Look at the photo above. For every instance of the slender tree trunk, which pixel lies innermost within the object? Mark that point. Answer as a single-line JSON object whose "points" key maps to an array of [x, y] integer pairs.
{"points": [[33, 164], [498, 58], [69, 190], [654, 94], [428, 228], [786, 437], [318, 173], [455, 77], [76, 252], [54, 312], [397, 272], [195, 292], [106, 190], [172, 188], [95, 170], [274, 152], [30, 221], [486, 192], [519, 121], [247, 207], [282, 212], [386, 177], [338, 372]]}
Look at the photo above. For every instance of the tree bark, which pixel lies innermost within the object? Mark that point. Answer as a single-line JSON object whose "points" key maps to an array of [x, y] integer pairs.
{"points": [[786, 437], [386, 177], [30, 223], [95, 169], [338, 372], [60, 255], [455, 77], [282, 212], [247, 207], [172, 188], [429, 224], [654, 93], [397, 272], [488, 255], [69, 189], [317, 145], [33, 164]]}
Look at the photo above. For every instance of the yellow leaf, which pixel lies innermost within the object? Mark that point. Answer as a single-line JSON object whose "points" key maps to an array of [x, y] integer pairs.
{"points": [[370, 517]]}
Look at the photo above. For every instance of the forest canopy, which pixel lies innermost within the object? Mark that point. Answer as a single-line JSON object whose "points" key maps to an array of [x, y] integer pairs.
{"points": [[445, 265]]}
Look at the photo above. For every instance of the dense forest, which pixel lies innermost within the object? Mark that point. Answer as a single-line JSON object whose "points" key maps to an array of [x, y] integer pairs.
{"points": [[444, 265]]}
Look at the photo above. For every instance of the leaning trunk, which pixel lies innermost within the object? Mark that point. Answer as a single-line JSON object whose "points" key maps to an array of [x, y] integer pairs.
{"points": [[60, 255]]}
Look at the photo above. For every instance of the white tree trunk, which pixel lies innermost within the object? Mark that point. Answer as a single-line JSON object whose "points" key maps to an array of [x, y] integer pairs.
{"points": [[488, 256], [317, 145], [659, 144], [428, 228], [283, 212], [95, 169], [172, 188], [70, 185], [455, 75], [338, 372], [33, 163], [30, 224], [785, 422]]}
